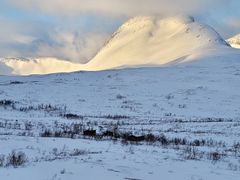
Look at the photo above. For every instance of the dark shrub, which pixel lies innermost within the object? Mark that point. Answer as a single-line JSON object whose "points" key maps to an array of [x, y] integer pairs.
{"points": [[236, 148], [191, 153], [108, 133], [196, 143], [89, 132], [16, 159], [2, 160], [150, 138], [215, 156], [119, 96], [16, 82], [130, 137], [115, 117], [72, 116], [47, 133], [7, 103], [163, 140], [178, 141], [77, 152], [77, 128]]}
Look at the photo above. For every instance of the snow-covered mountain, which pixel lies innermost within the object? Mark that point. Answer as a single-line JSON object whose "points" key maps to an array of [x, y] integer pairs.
{"points": [[234, 41], [150, 41], [140, 42]]}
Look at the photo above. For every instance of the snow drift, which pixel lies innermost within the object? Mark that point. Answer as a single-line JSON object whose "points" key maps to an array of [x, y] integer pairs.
{"points": [[141, 41]]}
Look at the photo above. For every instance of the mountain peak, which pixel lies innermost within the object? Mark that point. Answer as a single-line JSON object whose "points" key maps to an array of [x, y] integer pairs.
{"points": [[148, 40]]}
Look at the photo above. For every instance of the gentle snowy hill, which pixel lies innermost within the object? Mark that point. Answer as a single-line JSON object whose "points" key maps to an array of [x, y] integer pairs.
{"points": [[235, 41], [26, 66]]}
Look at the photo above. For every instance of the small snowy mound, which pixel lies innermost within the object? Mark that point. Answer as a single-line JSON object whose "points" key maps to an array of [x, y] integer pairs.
{"points": [[145, 41], [234, 41], [24, 66]]}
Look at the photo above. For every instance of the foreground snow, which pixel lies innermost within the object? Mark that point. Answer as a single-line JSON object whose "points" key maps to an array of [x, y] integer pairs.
{"points": [[194, 100], [110, 161]]}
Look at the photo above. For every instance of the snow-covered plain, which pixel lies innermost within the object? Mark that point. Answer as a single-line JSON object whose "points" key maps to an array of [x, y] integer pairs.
{"points": [[188, 100], [192, 100]]}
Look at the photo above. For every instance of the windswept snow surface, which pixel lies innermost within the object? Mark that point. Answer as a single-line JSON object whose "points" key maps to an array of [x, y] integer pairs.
{"points": [[234, 41], [194, 100], [140, 42]]}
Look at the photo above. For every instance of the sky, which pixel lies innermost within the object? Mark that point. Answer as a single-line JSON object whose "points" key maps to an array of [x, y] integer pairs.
{"points": [[76, 29]]}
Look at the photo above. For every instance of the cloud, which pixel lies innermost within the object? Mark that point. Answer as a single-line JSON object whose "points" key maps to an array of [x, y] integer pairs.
{"points": [[228, 27], [13, 38], [66, 40], [119, 7], [233, 26], [73, 46], [9, 32]]}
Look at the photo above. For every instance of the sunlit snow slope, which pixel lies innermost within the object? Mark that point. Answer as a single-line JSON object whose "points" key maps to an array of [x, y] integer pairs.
{"points": [[141, 41], [26, 66], [151, 41], [235, 41]]}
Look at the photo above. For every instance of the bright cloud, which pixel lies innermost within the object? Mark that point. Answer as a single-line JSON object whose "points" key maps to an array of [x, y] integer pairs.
{"points": [[120, 7]]}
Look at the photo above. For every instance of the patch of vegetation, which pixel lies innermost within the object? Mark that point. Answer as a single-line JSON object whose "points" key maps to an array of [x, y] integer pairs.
{"points": [[72, 116], [215, 156], [119, 96], [89, 132], [2, 160], [5, 103], [15, 159], [169, 96], [236, 149], [43, 107], [191, 153], [16, 82], [66, 131], [115, 117]]}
